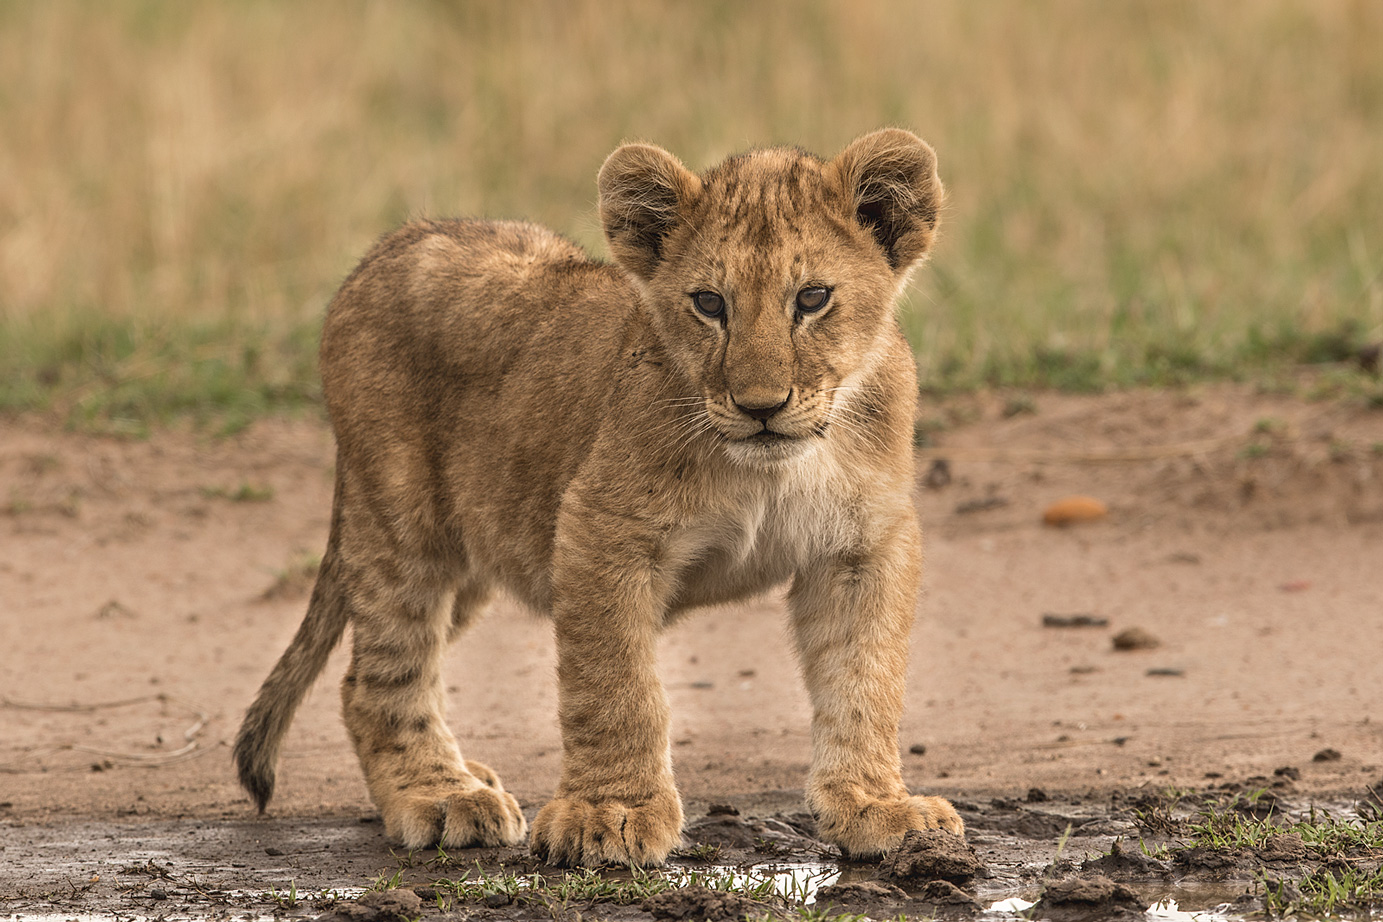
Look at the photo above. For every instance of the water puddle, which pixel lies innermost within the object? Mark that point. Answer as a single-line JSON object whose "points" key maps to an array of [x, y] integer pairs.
{"points": [[1014, 905], [291, 895], [1165, 910], [1168, 911], [1211, 903]]}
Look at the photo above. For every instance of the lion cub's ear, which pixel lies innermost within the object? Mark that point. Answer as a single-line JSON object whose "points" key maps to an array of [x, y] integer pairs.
{"points": [[643, 190], [890, 176]]}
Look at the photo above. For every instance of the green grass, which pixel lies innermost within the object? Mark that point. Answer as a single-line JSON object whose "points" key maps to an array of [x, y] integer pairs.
{"points": [[781, 898], [287, 899], [1220, 827], [1324, 893], [124, 375], [1347, 876], [1144, 193], [1233, 824]]}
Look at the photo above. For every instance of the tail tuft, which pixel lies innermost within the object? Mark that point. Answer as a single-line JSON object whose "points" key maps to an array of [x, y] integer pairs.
{"points": [[266, 723], [255, 776]]}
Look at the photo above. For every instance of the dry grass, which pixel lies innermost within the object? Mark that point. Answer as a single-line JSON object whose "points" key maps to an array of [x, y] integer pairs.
{"points": [[1139, 191]]}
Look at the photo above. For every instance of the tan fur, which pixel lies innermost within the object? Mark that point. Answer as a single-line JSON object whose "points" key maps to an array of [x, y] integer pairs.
{"points": [[512, 416]]}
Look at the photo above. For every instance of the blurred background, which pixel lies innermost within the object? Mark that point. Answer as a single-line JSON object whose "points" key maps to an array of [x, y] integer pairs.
{"points": [[1140, 192]]}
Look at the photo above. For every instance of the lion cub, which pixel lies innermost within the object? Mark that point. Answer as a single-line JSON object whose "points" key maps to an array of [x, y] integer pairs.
{"points": [[726, 409]]}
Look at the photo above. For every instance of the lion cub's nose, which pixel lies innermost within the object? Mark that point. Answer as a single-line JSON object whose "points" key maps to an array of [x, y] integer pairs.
{"points": [[760, 408]]}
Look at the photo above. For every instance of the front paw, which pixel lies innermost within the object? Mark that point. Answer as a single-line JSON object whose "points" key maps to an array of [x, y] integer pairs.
{"points": [[571, 831], [868, 827]]}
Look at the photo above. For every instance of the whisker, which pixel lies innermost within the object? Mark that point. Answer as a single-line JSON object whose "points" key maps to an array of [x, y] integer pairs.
{"points": [[856, 424], [677, 422], [700, 425]]}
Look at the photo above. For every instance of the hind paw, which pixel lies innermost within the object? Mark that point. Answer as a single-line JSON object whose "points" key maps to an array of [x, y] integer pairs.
{"points": [[473, 812]]}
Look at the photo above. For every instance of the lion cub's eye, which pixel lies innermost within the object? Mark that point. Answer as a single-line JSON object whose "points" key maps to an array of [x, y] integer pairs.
{"points": [[811, 300], [709, 303]]}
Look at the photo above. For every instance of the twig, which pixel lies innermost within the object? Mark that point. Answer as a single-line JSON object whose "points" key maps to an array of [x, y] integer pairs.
{"points": [[187, 751]]}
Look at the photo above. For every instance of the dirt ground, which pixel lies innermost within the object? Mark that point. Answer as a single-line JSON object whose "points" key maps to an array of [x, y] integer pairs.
{"points": [[146, 587]]}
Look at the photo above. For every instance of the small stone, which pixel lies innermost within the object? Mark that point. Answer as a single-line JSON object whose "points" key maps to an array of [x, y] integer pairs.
{"points": [[1051, 619], [157, 894], [114, 609], [1036, 796], [496, 900], [1074, 509], [1327, 755], [1291, 773], [273, 852], [1135, 638], [985, 504], [938, 474], [918, 749]]}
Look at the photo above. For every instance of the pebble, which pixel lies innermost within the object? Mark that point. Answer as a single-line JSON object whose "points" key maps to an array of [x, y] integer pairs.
{"points": [[1135, 638], [1074, 509]]}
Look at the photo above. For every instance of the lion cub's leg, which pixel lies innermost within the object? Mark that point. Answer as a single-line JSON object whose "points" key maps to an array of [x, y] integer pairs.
{"points": [[393, 703], [616, 802], [851, 620]]}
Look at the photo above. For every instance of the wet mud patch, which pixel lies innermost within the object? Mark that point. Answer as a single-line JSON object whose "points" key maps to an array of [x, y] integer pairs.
{"points": [[1114, 856], [1088, 897], [932, 854]]}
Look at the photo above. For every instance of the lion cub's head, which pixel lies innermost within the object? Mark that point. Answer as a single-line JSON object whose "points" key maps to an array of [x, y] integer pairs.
{"points": [[771, 278]]}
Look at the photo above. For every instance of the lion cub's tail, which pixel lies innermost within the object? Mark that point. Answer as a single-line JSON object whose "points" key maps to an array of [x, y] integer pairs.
{"points": [[261, 734]]}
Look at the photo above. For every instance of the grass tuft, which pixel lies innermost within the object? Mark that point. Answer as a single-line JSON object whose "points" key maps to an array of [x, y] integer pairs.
{"points": [[1324, 893]]}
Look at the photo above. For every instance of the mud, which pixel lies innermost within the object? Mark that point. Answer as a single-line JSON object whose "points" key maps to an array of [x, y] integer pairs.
{"points": [[147, 586], [321, 868], [932, 854]]}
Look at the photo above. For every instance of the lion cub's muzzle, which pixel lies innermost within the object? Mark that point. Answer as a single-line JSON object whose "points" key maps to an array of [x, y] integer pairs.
{"points": [[776, 424]]}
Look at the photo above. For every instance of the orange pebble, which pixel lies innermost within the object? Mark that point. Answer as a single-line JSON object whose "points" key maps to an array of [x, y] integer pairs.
{"points": [[1075, 509]]}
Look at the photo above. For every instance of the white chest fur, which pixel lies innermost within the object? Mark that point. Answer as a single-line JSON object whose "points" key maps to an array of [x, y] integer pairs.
{"points": [[762, 526]]}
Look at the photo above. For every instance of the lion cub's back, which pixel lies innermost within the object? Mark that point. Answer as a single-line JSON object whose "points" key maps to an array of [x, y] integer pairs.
{"points": [[445, 305]]}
